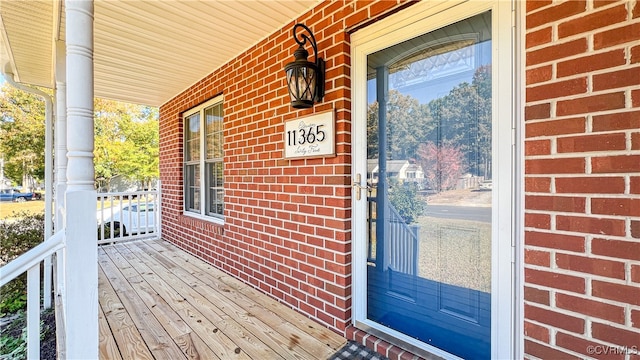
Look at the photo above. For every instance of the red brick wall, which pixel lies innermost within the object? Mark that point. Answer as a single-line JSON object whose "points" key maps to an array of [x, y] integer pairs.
{"points": [[287, 228], [582, 178], [287, 222]]}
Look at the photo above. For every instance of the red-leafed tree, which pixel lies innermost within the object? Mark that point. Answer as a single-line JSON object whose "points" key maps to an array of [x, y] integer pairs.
{"points": [[442, 165]]}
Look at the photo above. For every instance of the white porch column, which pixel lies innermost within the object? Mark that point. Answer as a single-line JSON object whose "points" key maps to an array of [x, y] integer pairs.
{"points": [[60, 156], [60, 134], [81, 258]]}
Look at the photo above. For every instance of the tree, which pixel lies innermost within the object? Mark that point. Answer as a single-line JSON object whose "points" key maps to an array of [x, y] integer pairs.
{"points": [[126, 142], [22, 127], [139, 160], [455, 128], [442, 165], [408, 123], [106, 149], [463, 118]]}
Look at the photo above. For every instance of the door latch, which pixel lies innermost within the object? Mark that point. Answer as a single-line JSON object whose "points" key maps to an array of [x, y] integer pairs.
{"points": [[356, 185]]}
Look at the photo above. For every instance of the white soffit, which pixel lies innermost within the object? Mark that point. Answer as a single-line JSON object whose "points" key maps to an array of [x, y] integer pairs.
{"points": [[146, 52], [26, 29]]}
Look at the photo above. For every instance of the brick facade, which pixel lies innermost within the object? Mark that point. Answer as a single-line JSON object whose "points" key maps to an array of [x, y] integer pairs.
{"points": [[287, 224], [582, 168]]}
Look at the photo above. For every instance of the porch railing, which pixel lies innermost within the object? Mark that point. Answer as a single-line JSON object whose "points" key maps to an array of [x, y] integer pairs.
{"points": [[30, 263], [140, 210], [128, 216], [401, 243]]}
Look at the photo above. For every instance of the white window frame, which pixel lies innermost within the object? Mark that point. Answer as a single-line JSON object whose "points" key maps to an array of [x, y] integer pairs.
{"points": [[202, 161], [419, 19]]}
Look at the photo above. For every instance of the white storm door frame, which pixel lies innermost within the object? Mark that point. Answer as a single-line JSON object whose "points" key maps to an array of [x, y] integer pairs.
{"points": [[418, 19]]}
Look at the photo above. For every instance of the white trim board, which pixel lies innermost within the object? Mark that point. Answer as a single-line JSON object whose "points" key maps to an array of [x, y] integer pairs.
{"points": [[414, 21]]}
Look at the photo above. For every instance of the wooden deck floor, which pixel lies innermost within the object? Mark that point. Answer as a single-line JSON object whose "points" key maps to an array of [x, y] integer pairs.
{"points": [[157, 301]]}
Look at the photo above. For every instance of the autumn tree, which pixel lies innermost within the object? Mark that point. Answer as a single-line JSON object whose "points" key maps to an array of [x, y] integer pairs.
{"points": [[442, 165], [461, 117]]}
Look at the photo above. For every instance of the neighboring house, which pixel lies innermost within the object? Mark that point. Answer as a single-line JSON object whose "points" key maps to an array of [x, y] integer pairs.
{"points": [[402, 170], [5, 183], [554, 272], [29, 183]]}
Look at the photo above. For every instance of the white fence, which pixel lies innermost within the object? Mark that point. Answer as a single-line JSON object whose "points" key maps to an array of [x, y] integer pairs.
{"points": [[120, 216], [128, 216]]}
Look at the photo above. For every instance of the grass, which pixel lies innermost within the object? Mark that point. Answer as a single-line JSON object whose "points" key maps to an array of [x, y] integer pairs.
{"points": [[451, 251], [8, 208], [456, 252]]}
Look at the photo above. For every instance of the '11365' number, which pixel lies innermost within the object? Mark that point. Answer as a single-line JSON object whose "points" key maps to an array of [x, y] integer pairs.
{"points": [[305, 135]]}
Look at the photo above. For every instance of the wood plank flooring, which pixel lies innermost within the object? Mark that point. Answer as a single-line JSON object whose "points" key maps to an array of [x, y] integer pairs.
{"points": [[159, 302]]}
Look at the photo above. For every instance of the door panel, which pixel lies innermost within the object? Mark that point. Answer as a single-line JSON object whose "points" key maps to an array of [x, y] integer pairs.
{"points": [[429, 175]]}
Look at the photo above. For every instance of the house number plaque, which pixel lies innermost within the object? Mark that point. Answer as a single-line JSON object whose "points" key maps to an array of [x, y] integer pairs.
{"points": [[311, 136]]}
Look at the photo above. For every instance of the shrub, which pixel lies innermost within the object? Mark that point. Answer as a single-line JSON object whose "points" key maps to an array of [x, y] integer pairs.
{"points": [[405, 199], [17, 237]]}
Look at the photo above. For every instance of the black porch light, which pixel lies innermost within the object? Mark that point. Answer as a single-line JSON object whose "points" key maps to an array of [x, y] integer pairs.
{"points": [[305, 79]]}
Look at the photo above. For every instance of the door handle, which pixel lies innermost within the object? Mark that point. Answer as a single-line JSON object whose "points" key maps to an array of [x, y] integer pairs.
{"points": [[356, 185]]}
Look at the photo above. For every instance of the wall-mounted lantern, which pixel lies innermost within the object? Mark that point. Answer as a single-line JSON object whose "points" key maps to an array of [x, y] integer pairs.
{"points": [[305, 79]]}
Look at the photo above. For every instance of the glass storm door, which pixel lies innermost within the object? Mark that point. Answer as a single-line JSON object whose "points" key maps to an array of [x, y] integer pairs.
{"points": [[429, 187]]}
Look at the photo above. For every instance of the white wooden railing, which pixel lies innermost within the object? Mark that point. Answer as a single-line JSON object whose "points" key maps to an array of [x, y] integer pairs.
{"points": [[128, 216], [402, 243], [143, 217], [30, 262]]}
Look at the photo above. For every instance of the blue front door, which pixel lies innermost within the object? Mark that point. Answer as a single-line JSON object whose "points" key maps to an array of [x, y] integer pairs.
{"points": [[429, 177]]}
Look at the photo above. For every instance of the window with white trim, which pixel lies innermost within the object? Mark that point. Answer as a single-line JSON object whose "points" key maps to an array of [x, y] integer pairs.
{"points": [[204, 160]]}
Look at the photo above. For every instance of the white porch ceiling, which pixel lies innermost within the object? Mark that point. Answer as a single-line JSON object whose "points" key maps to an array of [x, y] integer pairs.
{"points": [[145, 52]]}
